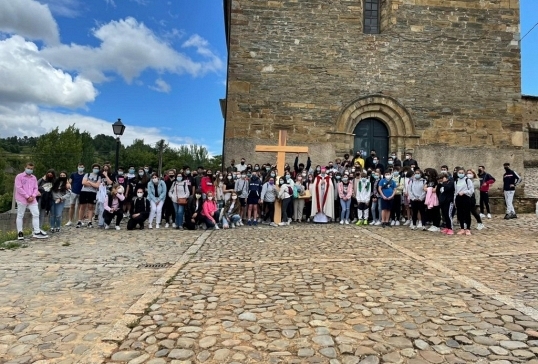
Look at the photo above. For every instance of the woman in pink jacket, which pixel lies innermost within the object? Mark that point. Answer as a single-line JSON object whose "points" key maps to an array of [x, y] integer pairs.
{"points": [[345, 192], [210, 212]]}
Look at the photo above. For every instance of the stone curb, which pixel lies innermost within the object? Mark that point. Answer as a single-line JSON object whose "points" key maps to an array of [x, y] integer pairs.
{"points": [[103, 349]]}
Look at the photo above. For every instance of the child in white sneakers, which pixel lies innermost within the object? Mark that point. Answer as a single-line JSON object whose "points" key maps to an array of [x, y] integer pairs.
{"points": [[363, 192]]}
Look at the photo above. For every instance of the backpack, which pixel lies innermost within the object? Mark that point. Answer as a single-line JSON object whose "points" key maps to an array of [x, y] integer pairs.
{"points": [[295, 192], [466, 182]]}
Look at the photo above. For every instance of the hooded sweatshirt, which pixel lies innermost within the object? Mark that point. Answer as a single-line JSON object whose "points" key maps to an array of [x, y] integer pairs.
{"points": [[416, 189]]}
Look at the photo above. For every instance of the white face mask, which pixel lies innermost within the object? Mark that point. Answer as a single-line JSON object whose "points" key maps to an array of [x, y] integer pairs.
{"points": [[210, 198], [120, 191], [470, 175], [155, 180], [198, 195], [234, 197], [140, 194]]}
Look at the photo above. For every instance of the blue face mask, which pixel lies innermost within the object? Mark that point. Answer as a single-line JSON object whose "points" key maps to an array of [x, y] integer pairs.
{"points": [[376, 176], [29, 171], [131, 171], [417, 176], [95, 170], [338, 177], [461, 175]]}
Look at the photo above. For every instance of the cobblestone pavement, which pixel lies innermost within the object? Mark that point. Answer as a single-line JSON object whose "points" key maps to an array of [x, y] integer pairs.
{"points": [[298, 294], [58, 301], [333, 294]]}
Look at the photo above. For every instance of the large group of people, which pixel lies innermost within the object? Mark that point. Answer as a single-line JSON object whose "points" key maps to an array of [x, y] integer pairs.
{"points": [[356, 190]]}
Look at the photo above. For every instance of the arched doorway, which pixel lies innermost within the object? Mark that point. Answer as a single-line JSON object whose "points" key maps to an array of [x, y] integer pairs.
{"points": [[372, 134]]}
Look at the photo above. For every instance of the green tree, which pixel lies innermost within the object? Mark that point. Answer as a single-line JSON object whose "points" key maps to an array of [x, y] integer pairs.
{"points": [[88, 155], [138, 154], [58, 150], [215, 163]]}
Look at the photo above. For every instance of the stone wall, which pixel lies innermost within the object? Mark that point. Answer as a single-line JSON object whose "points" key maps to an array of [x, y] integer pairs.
{"points": [[530, 178], [298, 65]]}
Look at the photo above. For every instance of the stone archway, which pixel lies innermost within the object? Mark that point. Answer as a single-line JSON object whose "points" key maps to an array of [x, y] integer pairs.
{"points": [[402, 133]]}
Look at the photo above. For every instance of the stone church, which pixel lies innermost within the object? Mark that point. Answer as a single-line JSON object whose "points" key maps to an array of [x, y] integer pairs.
{"points": [[438, 78]]}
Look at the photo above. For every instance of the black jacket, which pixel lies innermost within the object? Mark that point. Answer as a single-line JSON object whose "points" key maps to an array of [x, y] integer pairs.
{"points": [[296, 165], [139, 206], [447, 195], [510, 177], [191, 206], [410, 162]]}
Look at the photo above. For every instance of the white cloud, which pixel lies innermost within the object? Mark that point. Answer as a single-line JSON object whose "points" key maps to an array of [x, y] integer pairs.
{"points": [[202, 48], [66, 8], [28, 78], [29, 19], [128, 48], [161, 86], [111, 3], [30, 121]]}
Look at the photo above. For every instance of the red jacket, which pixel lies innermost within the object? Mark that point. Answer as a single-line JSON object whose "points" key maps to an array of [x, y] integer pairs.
{"points": [[486, 180], [206, 185], [209, 208]]}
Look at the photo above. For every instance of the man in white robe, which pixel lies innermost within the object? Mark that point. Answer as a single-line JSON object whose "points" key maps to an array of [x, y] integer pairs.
{"points": [[322, 190]]}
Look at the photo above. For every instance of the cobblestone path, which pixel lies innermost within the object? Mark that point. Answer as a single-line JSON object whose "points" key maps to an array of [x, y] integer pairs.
{"points": [[298, 294]]}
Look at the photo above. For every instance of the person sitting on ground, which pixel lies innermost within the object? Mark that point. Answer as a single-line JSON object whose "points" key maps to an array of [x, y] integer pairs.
{"points": [[230, 214], [114, 206], [140, 208], [193, 210], [210, 212]]}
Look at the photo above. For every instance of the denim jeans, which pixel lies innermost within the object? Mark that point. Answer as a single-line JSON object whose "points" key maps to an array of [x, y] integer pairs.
{"points": [[180, 210], [100, 208], [56, 211], [230, 219], [344, 214], [209, 222]]}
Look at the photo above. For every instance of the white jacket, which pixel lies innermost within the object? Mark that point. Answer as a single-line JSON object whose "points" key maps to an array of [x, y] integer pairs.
{"points": [[179, 190], [363, 191]]}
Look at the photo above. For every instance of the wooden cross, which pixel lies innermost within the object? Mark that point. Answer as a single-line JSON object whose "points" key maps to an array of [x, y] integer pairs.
{"points": [[281, 149]]}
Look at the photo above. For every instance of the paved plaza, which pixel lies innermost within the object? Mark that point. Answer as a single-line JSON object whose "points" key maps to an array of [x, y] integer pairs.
{"points": [[297, 294]]}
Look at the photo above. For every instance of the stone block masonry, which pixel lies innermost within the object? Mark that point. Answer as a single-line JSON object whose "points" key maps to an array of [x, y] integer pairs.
{"points": [[441, 73]]}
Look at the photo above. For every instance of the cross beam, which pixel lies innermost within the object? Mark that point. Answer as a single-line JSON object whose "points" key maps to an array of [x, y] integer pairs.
{"points": [[281, 149]]}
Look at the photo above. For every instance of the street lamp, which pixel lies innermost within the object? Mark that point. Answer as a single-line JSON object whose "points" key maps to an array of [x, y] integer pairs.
{"points": [[118, 128]]}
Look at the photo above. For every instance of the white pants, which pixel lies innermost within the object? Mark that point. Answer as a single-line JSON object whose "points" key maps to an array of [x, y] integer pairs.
{"points": [[509, 199], [156, 210], [34, 210], [362, 214]]}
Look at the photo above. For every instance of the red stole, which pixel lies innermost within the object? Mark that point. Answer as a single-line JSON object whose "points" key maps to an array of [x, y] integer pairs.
{"points": [[318, 180]]}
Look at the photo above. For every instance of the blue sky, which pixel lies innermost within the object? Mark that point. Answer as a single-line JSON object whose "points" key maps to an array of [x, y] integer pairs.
{"points": [[158, 65], [529, 47]]}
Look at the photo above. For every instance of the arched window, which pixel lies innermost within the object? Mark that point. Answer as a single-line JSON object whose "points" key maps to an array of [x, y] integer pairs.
{"points": [[371, 16]]}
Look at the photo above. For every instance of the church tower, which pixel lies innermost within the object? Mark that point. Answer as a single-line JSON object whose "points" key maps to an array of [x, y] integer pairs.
{"points": [[439, 78]]}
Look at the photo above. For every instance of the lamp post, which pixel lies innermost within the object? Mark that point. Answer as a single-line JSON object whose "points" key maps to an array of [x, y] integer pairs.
{"points": [[118, 128]]}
